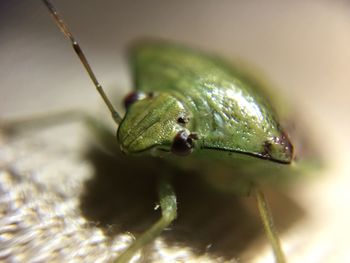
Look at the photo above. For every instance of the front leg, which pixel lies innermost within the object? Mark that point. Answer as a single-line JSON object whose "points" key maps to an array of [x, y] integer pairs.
{"points": [[104, 133], [269, 226], [168, 205]]}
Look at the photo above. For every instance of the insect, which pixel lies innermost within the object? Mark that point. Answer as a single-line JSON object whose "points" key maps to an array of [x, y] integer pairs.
{"points": [[197, 112]]}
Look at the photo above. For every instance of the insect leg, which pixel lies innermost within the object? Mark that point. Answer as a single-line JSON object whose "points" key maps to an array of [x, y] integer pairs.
{"points": [[37, 122], [168, 205], [269, 226], [104, 134]]}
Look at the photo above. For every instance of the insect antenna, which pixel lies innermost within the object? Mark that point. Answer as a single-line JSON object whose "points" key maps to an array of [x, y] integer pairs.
{"points": [[65, 30]]}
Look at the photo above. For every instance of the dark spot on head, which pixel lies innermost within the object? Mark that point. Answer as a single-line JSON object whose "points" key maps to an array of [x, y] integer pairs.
{"points": [[285, 142], [183, 120], [287, 145], [182, 143], [133, 97], [266, 149]]}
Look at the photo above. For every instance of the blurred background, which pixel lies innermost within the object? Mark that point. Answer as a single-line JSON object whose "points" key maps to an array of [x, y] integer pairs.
{"points": [[302, 47]]}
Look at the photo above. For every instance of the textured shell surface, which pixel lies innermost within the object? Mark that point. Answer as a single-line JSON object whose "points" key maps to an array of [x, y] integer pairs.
{"points": [[227, 111]]}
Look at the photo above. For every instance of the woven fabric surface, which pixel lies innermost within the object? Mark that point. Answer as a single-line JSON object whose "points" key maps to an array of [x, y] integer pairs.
{"points": [[64, 201]]}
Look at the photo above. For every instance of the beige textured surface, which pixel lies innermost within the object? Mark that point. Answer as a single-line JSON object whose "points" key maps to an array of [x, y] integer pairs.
{"points": [[63, 199]]}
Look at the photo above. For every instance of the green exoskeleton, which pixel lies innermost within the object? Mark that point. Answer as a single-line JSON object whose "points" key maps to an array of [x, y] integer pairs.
{"points": [[198, 112]]}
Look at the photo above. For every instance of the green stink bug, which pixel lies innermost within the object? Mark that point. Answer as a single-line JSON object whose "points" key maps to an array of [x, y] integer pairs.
{"points": [[201, 128]]}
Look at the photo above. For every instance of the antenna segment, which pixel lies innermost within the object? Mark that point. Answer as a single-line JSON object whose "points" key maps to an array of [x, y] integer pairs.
{"points": [[65, 30]]}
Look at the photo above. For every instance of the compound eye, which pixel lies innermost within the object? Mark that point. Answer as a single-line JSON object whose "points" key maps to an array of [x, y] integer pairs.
{"points": [[132, 97], [182, 144]]}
